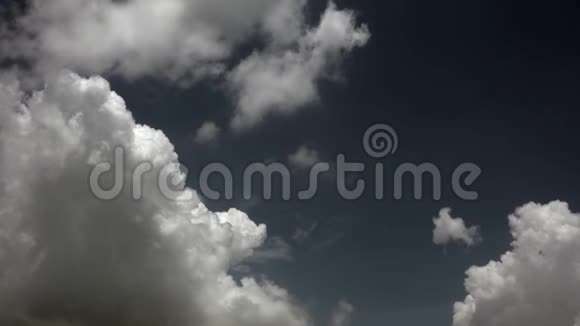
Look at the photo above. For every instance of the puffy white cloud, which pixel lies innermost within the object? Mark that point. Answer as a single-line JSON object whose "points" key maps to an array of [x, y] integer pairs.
{"points": [[535, 283], [448, 229], [342, 315], [207, 133], [69, 258], [174, 38], [304, 157], [281, 80], [187, 40]]}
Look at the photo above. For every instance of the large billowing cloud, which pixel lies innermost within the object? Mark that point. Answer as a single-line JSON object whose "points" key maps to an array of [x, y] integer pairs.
{"points": [[174, 38], [537, 282], [69, 258], [186, 40]]}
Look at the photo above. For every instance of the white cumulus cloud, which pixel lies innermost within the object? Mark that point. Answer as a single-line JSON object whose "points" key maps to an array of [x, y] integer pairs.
{"points": [[537, 282], [449, 229], [69, 258], [282, 80], [173, 38], [189, 40]]}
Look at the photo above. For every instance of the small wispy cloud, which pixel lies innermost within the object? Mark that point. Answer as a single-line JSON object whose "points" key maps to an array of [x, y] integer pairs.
{"points": [[342, 315], [304, 157], [207, 133], [275, 248], [302, 234]]}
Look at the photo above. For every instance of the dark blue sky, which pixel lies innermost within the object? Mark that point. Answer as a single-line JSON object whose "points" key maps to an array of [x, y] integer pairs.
{"points": [[489, 82]]}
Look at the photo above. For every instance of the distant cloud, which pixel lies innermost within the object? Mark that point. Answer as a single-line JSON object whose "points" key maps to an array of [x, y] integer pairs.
{"points": [[316, 236], [342, 315], [537, 281], [207, 133], [275, 248], [327, 241], [302, 234], [449, 229], [304, 157]]}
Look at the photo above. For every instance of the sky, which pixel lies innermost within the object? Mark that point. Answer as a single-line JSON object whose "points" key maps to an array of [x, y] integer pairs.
{"points": [[295, 82]]}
